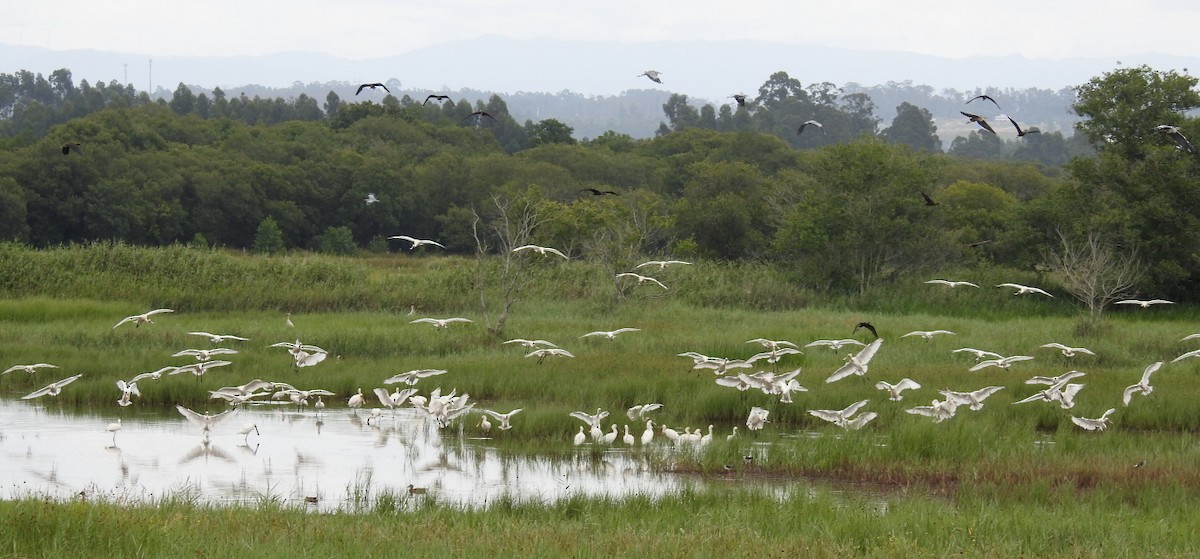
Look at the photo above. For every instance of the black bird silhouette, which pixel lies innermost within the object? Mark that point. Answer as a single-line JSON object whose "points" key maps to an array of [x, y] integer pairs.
{"points": [[928, 201], [985, 98], [868, 326], [67, 147], [480, 114], [978, 244], [371, 86], [740, 98], [980, 120], [596, 192], [438, 97], [1020, 133]]}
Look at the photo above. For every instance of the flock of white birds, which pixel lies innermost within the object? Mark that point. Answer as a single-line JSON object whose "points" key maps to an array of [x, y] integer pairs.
{"points": [[730, 372]]}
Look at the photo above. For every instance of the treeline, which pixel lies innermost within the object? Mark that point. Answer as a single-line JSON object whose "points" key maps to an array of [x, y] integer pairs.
{"points": [[842, 214]]}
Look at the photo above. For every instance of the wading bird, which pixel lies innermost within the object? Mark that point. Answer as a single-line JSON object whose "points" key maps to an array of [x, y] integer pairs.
{"points": [[638, 412], [371, 198], [52, 389], [834, 345], [757, 418], [371, 86], [412, 377], [979, 353], [246, 429], [417, 242], [939, 411], [662, 264], [1098, 424], [531, 344], [928, 334], [894, 390], [641, 279], [140, 319], [1067, 350], [480, 115], [598, 192], [1001, 362], [1143, 386], [128, 391], [739, 98], [205, 421], [1170, 131], [436, 97], [806, 123], [857, 364], [355, 401], [29, 368], [1145, 304], [219, 338], [652, 74], [951, 283], [985, 98], [503, 418], [1025, 289], [541, 354], [870, 327], [204, 354], [612, 334], [113, 428], [983, 123], [842, 417], [440, 323], [973, 400], [1021, 133], [541, 250]]}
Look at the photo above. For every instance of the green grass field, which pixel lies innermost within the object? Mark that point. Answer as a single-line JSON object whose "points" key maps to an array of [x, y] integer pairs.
{"points": [[1003, 481]]}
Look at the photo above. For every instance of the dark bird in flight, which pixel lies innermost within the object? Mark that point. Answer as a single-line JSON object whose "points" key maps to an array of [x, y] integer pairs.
{"points": [[371, 86], [1172, 131], [985, 98], [740, 98], [597, 192], [1020, 133], [67, 147], [978, 244], [868, 326], [928, 201], [652, 74], [812, 122], [980, 120], [439, 98], [480, 114]]}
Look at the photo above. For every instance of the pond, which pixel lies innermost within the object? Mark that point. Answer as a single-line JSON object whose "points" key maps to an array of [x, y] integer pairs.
{"points": [[297, 457]]}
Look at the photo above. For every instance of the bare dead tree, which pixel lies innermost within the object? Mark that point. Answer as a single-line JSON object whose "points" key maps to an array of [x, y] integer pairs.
{"points": [[500, 279], [1094, 271]]}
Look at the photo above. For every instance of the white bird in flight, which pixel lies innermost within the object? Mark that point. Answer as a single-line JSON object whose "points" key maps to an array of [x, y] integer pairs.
{"points": [[1143, 386], [541, 354], [503, 418], [928, 334], [938, 410], [639, 411], [440, 323], [979, 353], [1025, 289], [1145, 304], [1066, 350], [973, 400], [857, 364], [541, 250], [662, 264], [205, 421], [894, 390], [757, 418], [219, 338], [370, 199], [140, 319], [412, 377], [531, 344], [29, 368], [52, 389], [652, 74], [1098, 424], [951, 283], [417, 242], [204, 354], [1002, 362], [641, 279], [611, 334], [842, 417], [834, 345]]}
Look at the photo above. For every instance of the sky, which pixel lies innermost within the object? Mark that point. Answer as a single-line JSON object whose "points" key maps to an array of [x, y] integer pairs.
{"points": [[364, 29]]}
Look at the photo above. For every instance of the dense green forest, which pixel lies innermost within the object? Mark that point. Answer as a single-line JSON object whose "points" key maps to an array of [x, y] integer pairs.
{"points": [[841, 206]]}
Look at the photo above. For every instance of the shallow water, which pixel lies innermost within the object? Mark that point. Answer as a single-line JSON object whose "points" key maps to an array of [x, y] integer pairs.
{"points": [[297, 456]]}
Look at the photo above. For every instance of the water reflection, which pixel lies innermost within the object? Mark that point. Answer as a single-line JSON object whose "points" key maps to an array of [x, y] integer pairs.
{"points": [[295, 457]]}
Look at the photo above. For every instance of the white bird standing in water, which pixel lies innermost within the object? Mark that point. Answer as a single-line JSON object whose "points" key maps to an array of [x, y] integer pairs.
{"points": [[113, 428], [648, 434], [246, 429]]}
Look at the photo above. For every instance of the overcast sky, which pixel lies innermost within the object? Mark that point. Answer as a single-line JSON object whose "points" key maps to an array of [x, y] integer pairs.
{"points": [[360, 29]]}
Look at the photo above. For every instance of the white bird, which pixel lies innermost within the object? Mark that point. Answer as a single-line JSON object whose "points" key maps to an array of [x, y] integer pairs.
{"points": [[652, 74], [411, 378], [287, 320], [531, 344], [140, 319], [721, 365], [544, 352], [154, 375], [206, 421], [638, 412], [245, 430], [772, 344], [610, 437], [1175, 134], [1145, 304], [1098, 424], [834, 345], [894, 390], [356, 401], [841, 417], [504, 418], [979, 353], [1002, 362], [732, 435], [485, 425], [1058, 380], [440, 323], [669, 433], [757, 418], [396, 399], [648, 434], [662, 264], [320, 405], [1143, 386], [541, 250], [951, 283], [1066, 350], [627, 438], [1189, 337], [928, 334], [810, 123], [1064, 394], [1025, 289], [641, 279], [52, 389], [1187, 355], [370, 199], [707, 437], [128, 391], [774, 355], [219, 338], [29, 368], [200, 368], [580, 437], [417, 242], [204, 354], [973, 400], [593, 420], [612, 334], [857, 364], [113, 428], [939, 411], [306, 359]]}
